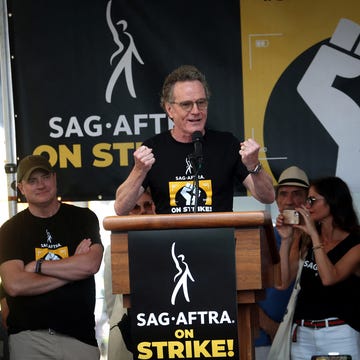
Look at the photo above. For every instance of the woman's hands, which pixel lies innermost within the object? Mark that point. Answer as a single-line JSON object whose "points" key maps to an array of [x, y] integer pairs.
{"points": [[286, 231], [307, 224]]}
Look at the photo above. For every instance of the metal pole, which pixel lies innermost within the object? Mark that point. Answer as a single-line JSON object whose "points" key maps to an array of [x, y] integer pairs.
{"points": [[8, 108]]}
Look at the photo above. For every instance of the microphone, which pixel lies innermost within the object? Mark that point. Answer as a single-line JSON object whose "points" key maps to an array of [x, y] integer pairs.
{"points": [[197, 139]]}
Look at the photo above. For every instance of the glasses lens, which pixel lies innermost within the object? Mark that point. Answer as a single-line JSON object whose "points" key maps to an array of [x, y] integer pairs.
{"points": [[310, 201], [186, 105], [202, 104]]}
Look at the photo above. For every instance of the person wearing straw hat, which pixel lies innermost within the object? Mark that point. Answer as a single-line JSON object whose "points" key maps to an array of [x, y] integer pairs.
{"points": [[291, 191]]}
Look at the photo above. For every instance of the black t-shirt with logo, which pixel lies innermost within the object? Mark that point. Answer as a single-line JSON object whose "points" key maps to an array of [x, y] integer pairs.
{"points": [[69, 309], [316, 301], [172, 181]]}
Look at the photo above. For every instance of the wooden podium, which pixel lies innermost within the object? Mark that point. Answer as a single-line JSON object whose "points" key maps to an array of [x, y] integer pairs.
{"points": [[257, 258]]}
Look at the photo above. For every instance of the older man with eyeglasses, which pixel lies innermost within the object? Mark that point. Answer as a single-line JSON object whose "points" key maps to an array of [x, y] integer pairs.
{"points": [[188, 173]]}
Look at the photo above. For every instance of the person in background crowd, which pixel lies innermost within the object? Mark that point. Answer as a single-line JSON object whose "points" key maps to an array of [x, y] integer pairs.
{"points": [[327, 312], [49, 254], [291, 192], [114, 303], [171, 162]]}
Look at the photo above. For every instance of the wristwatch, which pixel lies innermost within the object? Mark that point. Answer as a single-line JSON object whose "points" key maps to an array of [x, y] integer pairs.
{"points": [[256, 170], [38, 266]]}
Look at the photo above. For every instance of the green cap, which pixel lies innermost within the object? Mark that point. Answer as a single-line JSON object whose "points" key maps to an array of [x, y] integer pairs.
{"points": [[30, 163]]}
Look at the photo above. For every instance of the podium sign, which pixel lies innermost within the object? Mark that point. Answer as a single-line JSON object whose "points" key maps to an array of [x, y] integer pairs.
{"points": [[183, 293], [256, 256]]}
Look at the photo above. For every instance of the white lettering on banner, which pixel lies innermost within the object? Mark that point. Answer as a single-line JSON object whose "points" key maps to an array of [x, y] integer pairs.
{"points": [[93, 126], [122, 126], [184, 318]]}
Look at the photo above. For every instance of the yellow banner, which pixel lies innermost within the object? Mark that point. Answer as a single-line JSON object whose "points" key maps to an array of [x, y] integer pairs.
{"points": [[280, 40]]}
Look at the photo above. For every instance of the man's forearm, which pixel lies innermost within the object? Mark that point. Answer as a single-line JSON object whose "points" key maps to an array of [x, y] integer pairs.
{"points": [[261, 187], [264, 187], [31, 284], [76, 267], [128, 193], [21, 281]]}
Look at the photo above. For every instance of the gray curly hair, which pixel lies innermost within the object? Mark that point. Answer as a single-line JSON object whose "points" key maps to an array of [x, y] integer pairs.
{"points": [[182, 73]]}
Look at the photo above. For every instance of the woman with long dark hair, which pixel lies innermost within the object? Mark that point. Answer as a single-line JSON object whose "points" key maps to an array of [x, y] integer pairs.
{"points": [[327, 313]]}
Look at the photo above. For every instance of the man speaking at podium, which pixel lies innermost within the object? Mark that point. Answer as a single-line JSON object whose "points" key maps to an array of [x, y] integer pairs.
{"points": [[190, 169]]}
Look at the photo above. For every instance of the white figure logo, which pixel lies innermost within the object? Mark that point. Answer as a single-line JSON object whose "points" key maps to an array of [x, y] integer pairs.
{"points": [[337, 112], [125, 62], [48, 236], [182, 276], [189, 166]]}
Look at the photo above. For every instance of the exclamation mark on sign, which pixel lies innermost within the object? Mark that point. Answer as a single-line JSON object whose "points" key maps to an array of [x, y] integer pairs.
{"points": [[230, 348]]}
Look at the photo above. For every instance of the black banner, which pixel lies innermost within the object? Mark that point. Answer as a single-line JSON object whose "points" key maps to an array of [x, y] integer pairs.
{"points": [[87, 77], [182, 304]]}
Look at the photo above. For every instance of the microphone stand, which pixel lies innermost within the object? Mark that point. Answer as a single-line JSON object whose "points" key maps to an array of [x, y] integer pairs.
{"points": [[197, 158], [195, 192]]}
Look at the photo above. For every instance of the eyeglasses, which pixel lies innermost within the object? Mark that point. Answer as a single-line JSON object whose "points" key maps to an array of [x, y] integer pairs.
{"points": [[187, 106], [311, 199], [146, 206]]}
